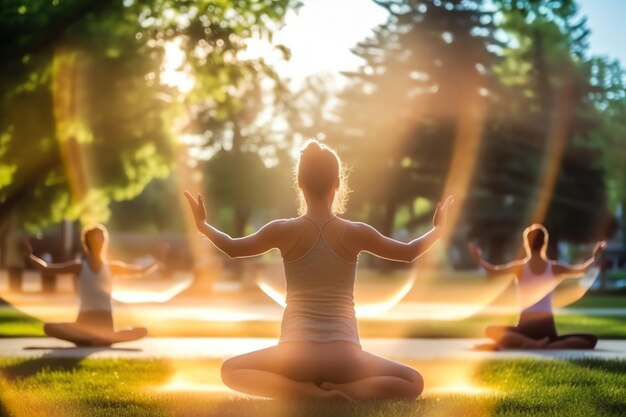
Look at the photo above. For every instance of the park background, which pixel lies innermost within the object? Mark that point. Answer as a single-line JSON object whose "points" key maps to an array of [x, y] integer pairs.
{"points": [[110, 109]]}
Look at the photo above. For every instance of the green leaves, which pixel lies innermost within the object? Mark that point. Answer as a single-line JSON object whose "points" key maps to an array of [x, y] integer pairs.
{"points": [[85, 116]]}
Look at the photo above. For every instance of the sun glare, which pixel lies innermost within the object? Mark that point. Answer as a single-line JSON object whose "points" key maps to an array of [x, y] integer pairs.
{"points": [[461, 388], [175, 72], [149, 291]]}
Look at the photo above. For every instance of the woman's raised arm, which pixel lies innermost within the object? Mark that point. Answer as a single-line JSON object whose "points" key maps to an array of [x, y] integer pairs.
{"points": [[272, 235], [364, 237], [494, 270], [578, 271], [69, 267]]}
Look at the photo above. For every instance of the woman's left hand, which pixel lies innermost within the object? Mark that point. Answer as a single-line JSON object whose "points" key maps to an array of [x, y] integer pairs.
{"points": [[441, 212], [598, 249], [197, 208]]}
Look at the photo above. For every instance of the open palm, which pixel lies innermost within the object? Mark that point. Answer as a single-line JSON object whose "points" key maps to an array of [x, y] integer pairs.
{"points": [[197, 208], [441, 212], [598, 249]]}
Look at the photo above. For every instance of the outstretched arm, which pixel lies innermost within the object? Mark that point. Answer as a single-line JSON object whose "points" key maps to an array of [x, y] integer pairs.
{"points": [[69, 267], [270, 236], [366, 238], [122, 268], [578, 271], [493, 270]]}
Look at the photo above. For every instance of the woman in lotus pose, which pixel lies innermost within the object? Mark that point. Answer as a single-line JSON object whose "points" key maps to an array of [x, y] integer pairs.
{"points": [[94, 324], [319, 354], [536, 278]]}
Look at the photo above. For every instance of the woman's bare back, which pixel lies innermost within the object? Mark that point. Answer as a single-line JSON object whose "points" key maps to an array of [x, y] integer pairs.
{"points": [[305, 232]]}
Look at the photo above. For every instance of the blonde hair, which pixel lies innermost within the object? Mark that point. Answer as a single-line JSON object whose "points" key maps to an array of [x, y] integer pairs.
{"points": [[318, 169]]}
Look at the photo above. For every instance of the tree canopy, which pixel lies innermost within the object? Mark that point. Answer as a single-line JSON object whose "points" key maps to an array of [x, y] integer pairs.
{"points": [[86, 116]]}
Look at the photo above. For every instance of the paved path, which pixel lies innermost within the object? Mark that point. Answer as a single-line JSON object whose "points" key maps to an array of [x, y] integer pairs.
{"points": [[220, 348]]}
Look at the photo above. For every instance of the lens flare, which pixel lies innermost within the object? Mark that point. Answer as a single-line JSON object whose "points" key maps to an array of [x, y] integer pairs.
{"points": [[454, 377], [373, 309], [572, 290], [412, 300], [190, 376], [462, 388], [149, 291]]}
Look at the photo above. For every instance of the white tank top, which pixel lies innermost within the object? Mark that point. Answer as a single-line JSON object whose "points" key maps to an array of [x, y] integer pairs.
{"points": [[535, 291], [94, 288], [320, 296]]}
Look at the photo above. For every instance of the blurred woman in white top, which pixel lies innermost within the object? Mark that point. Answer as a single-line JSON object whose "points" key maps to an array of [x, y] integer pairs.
{"points": [[94, 323]]}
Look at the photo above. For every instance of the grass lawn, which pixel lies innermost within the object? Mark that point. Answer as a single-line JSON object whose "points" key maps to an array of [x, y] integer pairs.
{"points": [[14, 323], [106, 387]]}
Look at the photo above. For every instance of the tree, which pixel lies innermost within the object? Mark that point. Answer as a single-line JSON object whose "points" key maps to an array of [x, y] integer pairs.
{"points": [[426, 79], [86, 118], [543, 166], [241, 183]]}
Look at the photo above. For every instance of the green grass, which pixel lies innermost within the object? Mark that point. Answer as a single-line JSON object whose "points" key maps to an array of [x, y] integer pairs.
{"points": [[105, 387], [14, 323], [600, 301]]}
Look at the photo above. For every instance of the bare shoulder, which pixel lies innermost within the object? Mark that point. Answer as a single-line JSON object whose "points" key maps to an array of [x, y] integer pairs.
{"points": [[358, 227], [517, 267], [359, 232], [279, 226], [280, 223]]}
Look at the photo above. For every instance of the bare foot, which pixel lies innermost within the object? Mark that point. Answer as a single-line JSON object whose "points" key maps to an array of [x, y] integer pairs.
{"points": [[337, 395], [333, 392], [488, 347]]}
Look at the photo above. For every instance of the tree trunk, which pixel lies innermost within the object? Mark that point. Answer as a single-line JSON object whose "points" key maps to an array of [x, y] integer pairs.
{"points": [[498, 250], [14, 255], [242, 217], [67, 238], [386, 227]]}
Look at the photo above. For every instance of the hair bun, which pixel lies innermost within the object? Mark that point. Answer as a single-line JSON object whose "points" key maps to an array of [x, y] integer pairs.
{"points": [[313, 147]]}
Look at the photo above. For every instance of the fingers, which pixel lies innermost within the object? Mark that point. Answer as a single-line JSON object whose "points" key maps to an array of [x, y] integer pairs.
{"points": [[201, 202], [446, 203], [190, 199], [474, 249]]}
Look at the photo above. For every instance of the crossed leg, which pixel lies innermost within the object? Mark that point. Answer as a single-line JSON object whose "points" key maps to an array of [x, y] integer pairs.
{"points": [[70, 332], [507, 337], [264, 373], [574, 341], [379, 378], [82, 335], [320, 370]]}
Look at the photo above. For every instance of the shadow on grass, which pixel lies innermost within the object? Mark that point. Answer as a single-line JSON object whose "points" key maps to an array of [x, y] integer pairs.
{"points": [[249, 407], [58, 359], [71, 349]]}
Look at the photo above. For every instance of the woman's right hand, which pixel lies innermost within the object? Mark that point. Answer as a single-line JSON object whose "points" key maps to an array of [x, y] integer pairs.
{"points": [[441, 212], [475, 251], [197, 208]]}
